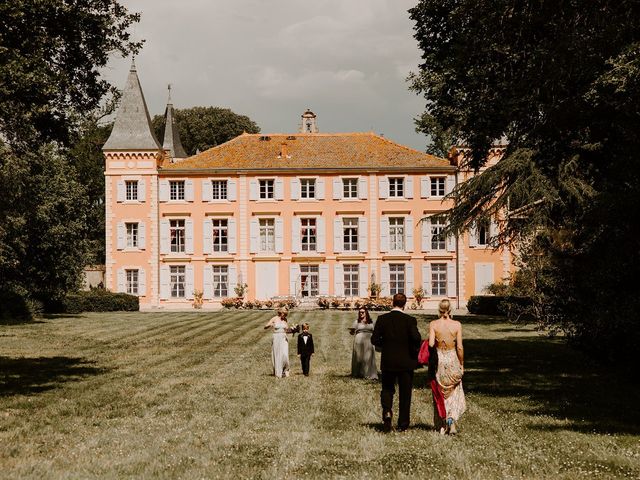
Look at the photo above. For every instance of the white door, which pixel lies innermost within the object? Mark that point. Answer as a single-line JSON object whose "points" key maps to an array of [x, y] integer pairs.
{"points": [[484, 277], [266, 280]]}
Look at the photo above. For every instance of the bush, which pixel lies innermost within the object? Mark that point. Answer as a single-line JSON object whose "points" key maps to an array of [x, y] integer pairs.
{"points": [[496, 304], [234, 302], [16, 307], [99, 300], [324, 303]]}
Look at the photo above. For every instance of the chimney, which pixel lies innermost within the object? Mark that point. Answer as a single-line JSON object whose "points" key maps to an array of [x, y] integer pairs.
{"points": [[284, 153]]}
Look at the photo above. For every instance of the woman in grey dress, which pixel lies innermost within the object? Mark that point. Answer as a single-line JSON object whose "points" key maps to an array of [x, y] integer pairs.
{"points": [[363, 358], [279, 343]]}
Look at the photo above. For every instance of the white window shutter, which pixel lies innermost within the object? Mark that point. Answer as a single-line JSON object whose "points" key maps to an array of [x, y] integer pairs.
{"points": [[189, 281], [142, 235], [425, 187], [337, 189], [323, 286], [142, 190], [233, 279], [279, 189], [338, 280], [408, 186], [363, 235], [363, 277], [188, 236], [426, 278], [384, 279], [207, 190], [188, 190], [142, 283], [207, 236], [295, 235], [408, 279], [294, 280], [232, 190], [408, 228], [450, 184], [295, 189], [473, 235], [121, 280], [121, 235], [426, 235], [383, 187], [165, 246], [232, 235], [163, 192], [121, 191], [451, 243], [451, 279], [362, 188], [254, 232], [322, 235], [320, 189], [337, 235], [207, 282], [279, 226], [165, 287], [253, 189], [384, 234]]}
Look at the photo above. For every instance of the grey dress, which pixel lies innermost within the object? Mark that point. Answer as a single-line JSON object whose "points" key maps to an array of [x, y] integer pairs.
{"points": [[363, 358], [280, 349]]}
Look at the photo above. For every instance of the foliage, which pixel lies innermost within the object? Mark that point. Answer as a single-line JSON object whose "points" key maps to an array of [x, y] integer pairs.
{"points": [[197, 299], [375, 289], [241, 290], [51, 54], [100, 300], [559, 82], [232, 302], [201, 128], [418, 294], [17, 307], [324, 303]]}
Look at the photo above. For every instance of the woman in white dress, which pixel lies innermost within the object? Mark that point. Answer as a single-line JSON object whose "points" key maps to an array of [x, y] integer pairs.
{"points": [[279, 343], [363, 357]]}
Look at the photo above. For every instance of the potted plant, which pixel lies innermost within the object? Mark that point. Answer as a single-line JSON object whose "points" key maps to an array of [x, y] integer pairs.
{"points": [[418, 294], [375, 289]]}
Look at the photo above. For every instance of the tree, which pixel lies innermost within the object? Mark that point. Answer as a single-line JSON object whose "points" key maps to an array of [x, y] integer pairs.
{"points": [[560, 81], [201, 128]]}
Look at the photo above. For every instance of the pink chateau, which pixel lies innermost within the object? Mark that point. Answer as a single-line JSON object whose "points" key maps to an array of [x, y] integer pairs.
{"points": [[302, 215]]}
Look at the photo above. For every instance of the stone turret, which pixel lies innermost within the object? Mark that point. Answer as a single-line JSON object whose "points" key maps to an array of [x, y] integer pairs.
{"points": [[171, 142], [308, 124]]}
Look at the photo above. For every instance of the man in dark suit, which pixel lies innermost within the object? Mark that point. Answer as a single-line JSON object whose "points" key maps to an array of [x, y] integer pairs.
{"points": [[305, 348], [396, 335]]}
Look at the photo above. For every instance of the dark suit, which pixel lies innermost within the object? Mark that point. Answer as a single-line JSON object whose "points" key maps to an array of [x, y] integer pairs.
{"points": [[305, 350], [397, 336]]}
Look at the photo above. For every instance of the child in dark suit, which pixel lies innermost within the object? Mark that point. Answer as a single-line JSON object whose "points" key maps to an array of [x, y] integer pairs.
{"points": [[305, 348]]}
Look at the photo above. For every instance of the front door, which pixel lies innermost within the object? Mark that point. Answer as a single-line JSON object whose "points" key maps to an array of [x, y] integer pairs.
{"points": [[309, 280]]}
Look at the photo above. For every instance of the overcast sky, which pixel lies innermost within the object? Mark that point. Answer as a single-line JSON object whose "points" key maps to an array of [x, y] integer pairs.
{"points": [[347, 60]]}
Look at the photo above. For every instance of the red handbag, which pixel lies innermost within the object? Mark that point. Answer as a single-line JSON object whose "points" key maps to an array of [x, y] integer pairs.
{"points": [[423, 354]]}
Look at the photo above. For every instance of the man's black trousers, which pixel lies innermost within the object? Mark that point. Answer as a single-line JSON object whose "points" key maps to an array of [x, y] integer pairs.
{"points": [[305, 360], [405, 385]]}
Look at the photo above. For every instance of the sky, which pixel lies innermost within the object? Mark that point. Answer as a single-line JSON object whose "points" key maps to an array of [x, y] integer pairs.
{"points": [[346, 60]]}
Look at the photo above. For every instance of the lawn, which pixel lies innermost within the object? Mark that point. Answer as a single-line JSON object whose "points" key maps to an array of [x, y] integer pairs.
{"points": [[190, 395]]}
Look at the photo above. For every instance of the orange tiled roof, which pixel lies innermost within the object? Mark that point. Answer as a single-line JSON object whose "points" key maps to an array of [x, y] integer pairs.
{"points": [[308, 151]]}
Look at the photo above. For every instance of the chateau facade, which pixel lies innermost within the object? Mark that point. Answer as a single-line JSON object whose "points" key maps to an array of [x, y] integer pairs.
{"points": [[304, 214]]}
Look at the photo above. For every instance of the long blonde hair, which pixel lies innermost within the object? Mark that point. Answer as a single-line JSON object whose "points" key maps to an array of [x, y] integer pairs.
{"points": [[283, 312], [444, 308]]}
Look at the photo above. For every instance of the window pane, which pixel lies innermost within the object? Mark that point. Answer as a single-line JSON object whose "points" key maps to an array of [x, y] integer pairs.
{"points": [[177, 234], [439, 279], [219, 189], [176, 190]]}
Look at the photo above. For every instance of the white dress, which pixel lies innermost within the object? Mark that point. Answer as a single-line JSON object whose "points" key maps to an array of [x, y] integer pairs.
{"points": [[280, 349]]}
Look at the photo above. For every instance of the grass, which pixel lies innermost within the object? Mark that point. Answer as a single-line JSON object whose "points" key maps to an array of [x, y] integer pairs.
{"points": [[189, 395]]}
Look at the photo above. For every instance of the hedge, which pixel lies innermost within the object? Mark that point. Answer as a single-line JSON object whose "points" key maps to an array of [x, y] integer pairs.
{"points": [[99, 300], [495, 304]]}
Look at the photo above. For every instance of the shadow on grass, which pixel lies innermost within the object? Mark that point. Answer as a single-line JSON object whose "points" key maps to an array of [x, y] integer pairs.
{"points": [[377, 426], [23, 376], [559, 382]]}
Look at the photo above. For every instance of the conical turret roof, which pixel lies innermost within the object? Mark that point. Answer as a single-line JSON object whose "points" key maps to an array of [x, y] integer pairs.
{"points": [[132, 128], [171, 140]]}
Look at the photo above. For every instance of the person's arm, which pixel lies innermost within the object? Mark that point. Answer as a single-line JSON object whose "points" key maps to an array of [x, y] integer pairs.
{"points": [[376, 336], [270, 323], [312, 348], [416, 338], [459, 347], [300, 342], [352, 328], [432, 335]]}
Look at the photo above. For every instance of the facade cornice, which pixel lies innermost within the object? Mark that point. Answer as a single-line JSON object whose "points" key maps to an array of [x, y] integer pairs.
{"points": [[302, 171]]}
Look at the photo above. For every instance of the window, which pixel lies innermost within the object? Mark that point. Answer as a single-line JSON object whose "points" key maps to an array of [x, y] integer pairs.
{"points": [[349, 188], [132, 235], [132, 282], [437, 236], [267, 188], [437, 186], [220, 235], [482, 233], [308, 234], [396, 234], [439, 279], [176, 231], [309, 280], [396, 187], [350, 234], [219, 189], [267, 235], [131, 189], [220, 281], [308, 188], [351, 280], [177, 281], [176, 190], [396, 278]]}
